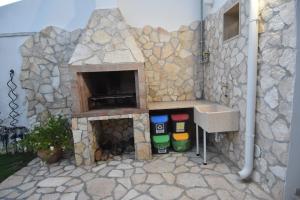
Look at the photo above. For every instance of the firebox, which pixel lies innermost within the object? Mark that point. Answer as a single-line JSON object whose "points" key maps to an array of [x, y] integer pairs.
{"points": [[110, 89], [103, 89]]}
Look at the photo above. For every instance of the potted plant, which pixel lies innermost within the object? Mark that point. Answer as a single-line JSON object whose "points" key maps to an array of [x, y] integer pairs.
{"points": [[49, 139]]}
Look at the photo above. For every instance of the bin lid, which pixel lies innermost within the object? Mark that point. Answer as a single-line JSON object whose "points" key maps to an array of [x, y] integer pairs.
{"points": [[161, 138], [180, 136], [179, 117], [159, 118]]}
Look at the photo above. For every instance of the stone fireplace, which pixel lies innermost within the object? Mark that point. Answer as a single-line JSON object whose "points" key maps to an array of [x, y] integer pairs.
{"points": [[108, 83]]}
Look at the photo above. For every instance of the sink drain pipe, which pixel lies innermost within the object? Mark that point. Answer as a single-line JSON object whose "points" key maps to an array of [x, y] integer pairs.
{"points": [[251, 90]]}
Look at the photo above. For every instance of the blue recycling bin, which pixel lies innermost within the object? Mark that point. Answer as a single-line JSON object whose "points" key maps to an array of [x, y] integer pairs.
{"points": [[159, 124]]}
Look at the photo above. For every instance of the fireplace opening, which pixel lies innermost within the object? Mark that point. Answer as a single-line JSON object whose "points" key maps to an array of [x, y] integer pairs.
{"points": [[106, 90], [113, 137]]}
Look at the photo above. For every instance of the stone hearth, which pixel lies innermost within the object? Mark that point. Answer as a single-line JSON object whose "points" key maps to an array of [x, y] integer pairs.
{"points": [[85, 140]]}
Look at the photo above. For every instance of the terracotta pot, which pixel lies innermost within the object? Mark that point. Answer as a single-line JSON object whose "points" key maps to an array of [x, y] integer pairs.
{"points": [[50, 156]]}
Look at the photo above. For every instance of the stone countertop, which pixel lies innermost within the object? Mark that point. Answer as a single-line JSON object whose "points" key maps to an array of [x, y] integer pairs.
{"points": [[151, 106], [176, 104], [109, 112]]}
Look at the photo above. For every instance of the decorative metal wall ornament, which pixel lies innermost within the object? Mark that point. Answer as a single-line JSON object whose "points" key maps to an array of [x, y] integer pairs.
{"points": [[13, 98], [13, 107]]}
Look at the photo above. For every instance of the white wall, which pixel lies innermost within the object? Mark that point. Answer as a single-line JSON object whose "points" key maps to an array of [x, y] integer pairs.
{"points": [[11, 59], [34, 15], [169, 14]]}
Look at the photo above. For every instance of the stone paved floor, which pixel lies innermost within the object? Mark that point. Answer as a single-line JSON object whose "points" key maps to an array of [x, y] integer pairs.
{"points": [[170, 176]]}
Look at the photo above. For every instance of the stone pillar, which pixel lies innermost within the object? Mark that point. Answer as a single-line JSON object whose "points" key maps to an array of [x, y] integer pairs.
{"points": [[84, 141], [141, 134]]}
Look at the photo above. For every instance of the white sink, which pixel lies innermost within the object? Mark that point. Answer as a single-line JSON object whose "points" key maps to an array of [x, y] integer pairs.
{"points": [[216, 118]]}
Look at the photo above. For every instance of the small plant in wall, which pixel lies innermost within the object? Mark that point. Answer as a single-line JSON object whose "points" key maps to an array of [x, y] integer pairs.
{"points": [[50, 139]]}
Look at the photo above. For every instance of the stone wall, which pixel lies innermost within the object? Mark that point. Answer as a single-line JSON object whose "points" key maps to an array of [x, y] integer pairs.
{"points": [[171, 62], [172, 67], [45, 75], [226, 80]]}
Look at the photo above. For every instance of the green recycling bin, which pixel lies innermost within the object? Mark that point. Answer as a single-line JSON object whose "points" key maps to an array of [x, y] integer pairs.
{"points": [[161, 144]]}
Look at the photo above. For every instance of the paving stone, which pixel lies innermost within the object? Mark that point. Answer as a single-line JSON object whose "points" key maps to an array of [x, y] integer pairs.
{"points": [[87, 176], [116, 173], [114, 162], [75, 188], [130, 195], [195, 169], [190, 164], [69, 167], [129, 172], [258, 192], [105, 170], [138, 178], [107, 186], [74, 181], [4, 193], [125, 182], [120, 191], [190, 180], [34, 197], [60, 188], [42, 172], [83, 196], [143, 197], [154, 179], [45, 190], [13, 195], [53, 181], [181, 169], [139, 171], [124, 166], [165, 192], [212, 197], [55, 168], [24, 171], [181, 160], [78, 172], [184, 198], [28, 178], [235, 181], [53, 196], [138, 164], [142, 187], [199, 193], [159, 166], [97, 168], [26, 194], [222, 168], [224, 195], [11, 181], [27, 186], [68, 196], [170, 159], [218, 182]]}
